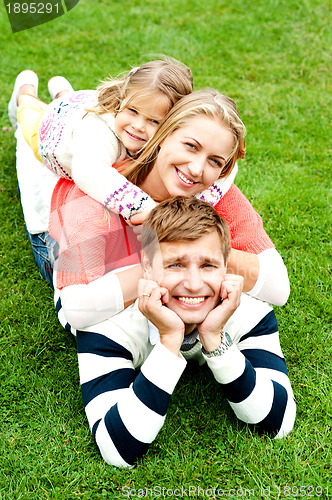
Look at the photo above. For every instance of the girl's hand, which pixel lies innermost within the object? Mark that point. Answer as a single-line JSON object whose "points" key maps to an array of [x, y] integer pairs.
{"points": [[137, 221]]}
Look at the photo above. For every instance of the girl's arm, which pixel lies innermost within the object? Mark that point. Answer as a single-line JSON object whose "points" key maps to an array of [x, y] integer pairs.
{"points": [[253, 253], [95, 150]]}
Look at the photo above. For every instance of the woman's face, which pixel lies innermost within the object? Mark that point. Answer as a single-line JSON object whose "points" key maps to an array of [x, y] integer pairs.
{"points": [[191, 158]]}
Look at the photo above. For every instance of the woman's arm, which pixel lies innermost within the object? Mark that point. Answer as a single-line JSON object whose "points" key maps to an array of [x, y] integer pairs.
{"points": [[253, 253], [83, 305], [92, 245]]}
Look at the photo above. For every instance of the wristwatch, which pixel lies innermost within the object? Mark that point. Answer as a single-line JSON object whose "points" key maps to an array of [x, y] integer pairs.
{"points": [[226, 343]]}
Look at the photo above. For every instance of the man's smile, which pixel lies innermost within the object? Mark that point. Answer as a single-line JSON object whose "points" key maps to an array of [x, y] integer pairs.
{"points": [[191, 300]]}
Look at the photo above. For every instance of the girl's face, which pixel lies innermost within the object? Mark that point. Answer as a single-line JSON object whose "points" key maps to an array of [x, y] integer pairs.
{"points": [[138, 119], [190, 159]]}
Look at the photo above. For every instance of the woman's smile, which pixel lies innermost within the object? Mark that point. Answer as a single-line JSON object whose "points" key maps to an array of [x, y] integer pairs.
{"points": [[190, 159], [184, 178]]}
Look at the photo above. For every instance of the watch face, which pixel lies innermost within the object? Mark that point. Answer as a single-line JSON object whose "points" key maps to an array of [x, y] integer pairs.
{"points": [[228, 338]]}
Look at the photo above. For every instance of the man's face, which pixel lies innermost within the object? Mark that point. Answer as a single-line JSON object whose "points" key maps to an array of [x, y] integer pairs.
{"points": [[192, 271]]}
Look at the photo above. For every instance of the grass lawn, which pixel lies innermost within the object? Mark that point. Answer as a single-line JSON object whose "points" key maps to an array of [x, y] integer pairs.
{"points": [[274, 58]]}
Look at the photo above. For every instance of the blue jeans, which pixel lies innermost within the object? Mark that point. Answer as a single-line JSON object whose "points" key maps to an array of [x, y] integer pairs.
{"points": [[45, 250]]}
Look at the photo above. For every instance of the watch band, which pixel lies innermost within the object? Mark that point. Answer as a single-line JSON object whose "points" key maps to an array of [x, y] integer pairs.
{"points": [[226, 343]]}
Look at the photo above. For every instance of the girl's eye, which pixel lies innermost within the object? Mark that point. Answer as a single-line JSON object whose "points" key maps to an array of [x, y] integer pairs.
{"points": [[132, 110], [154, 122], [191, 146]]}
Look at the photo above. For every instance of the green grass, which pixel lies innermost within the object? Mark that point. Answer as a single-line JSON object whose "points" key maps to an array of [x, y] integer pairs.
{"points": [[274, 58]]}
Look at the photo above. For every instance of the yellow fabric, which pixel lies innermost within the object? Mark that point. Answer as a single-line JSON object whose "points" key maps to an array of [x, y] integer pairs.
{"points": [[29, 118]]}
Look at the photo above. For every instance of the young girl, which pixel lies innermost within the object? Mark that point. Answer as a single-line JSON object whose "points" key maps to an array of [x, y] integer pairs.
{"points": [[81, 135]]}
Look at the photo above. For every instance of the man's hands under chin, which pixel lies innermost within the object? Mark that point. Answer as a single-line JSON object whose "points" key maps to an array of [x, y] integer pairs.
{"points": [[151, 300], [211, 328]]}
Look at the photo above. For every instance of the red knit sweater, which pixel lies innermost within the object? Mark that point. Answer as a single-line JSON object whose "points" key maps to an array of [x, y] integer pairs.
{"points": [[93, 241], [246, 226]]}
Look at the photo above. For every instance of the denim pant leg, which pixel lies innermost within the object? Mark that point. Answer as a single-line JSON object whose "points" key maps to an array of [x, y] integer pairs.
{"points": [[44, 249]]}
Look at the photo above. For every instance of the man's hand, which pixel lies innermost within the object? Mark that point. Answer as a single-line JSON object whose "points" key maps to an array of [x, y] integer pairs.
{"points": [[211, 327], [151, 302]]}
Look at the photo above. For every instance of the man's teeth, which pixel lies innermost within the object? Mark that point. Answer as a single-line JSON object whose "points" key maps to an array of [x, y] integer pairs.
{"points": [[191, 300], [185, 179]]}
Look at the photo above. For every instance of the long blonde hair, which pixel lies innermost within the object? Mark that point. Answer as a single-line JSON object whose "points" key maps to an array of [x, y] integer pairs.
{"points": [[208, 102], [165, 75]]}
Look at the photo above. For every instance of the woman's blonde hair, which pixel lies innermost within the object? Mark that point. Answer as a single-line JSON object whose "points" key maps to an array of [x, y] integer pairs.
{"points": [[208, 103], [165, 75]]}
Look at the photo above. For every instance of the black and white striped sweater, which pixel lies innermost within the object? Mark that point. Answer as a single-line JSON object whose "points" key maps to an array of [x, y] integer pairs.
{"points": [[126, 409]]}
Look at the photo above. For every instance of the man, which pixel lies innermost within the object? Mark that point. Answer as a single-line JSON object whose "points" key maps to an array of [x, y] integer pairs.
{"points": [[187, 309]]}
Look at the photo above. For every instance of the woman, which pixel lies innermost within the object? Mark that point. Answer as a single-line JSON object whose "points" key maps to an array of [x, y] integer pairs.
{"points": [[198, 142]]}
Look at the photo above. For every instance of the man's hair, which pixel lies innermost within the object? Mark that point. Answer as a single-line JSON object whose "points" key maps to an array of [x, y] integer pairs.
{"points": [[183, 219]]}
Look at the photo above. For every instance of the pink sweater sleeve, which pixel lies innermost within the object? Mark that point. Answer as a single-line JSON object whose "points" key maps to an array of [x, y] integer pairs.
{"points": [[246, 227], [91, 240]]}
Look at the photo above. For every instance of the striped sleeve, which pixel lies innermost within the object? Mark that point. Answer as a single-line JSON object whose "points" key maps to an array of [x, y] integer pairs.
{"points": [[125, 410], [254, 379]]}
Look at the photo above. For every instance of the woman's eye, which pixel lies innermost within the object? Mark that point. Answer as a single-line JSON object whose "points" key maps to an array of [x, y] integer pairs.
{"points": [[191, 145], [216, 163]]}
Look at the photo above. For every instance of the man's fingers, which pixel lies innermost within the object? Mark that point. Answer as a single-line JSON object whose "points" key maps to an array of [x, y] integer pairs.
{"points": [[145, 287]]}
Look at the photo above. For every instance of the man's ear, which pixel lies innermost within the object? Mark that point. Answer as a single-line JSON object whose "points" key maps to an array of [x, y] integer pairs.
{"points": [[147, 270]]}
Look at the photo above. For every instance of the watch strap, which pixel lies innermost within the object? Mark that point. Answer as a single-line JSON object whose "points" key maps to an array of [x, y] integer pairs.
{"points": [[226, 343]]}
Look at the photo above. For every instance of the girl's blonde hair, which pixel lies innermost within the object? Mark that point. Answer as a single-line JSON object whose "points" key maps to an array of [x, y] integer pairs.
{"points": [[208, 103], [166, 75]]}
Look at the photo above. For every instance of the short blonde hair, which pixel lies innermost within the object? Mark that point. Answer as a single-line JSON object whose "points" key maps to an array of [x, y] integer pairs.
{"points": [[183, 219], [166, 75], [208, 103]]}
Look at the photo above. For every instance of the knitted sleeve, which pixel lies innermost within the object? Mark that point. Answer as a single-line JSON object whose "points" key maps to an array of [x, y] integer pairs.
{"points": [[95, 149], [246, 227], [218, 189]]}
